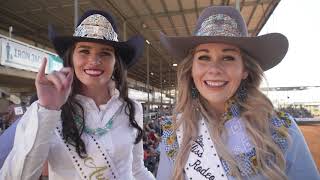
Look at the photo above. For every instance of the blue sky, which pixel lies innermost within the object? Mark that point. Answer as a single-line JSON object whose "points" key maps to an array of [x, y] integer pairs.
{"points": [[299, 21]]}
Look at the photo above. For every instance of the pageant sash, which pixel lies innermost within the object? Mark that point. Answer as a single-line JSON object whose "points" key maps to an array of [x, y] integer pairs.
{"points": [[97, 165], [203, 162]]}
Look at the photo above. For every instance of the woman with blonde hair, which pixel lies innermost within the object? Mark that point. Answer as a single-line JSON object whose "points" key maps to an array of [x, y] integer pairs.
{"points": [[224, 127]]}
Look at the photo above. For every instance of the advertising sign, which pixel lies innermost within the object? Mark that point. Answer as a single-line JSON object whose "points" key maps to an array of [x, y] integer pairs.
{"points": [[23, 56]]}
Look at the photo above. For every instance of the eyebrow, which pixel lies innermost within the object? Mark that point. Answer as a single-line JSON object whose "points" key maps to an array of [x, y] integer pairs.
{"points": [[229, 49], [84, 46], [108, 49], [199, 50], [224, 50], [89, 47]]}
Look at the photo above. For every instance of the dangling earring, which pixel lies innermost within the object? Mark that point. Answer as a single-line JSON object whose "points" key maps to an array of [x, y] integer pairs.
{"points": [[195, 97], [242, 91], [194, 92]]}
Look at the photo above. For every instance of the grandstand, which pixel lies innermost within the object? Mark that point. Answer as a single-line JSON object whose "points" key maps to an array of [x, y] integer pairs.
{"points": [[24, 42]]}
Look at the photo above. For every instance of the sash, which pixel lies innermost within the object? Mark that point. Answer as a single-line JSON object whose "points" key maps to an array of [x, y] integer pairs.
{"points": [[97, 165], [203, 162]]}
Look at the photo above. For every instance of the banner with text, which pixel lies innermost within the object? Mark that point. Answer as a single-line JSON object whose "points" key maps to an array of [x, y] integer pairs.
{"points": [[23, 56]]}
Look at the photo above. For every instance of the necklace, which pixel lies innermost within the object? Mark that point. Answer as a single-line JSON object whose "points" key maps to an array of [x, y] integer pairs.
{"points": [[98, 131]]}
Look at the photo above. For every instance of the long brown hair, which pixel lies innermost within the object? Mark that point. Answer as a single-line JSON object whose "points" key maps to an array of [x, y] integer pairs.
{"points": [[257, 111], [72, 108]]}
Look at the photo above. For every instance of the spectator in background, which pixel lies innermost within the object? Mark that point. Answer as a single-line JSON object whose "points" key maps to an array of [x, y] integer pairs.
{"points": [[7, 138], [1, 125], [10, 116], [151, 140]]}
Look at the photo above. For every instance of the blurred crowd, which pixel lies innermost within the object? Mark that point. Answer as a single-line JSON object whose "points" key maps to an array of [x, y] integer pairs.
{"points": [[151, 140], [297, 112]]}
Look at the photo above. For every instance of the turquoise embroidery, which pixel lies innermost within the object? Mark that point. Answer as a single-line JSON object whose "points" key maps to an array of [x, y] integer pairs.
{"points": [[98, 131]]}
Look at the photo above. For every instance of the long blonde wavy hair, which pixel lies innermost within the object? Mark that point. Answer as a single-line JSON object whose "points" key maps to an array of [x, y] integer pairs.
{"points": [[257, 110]]}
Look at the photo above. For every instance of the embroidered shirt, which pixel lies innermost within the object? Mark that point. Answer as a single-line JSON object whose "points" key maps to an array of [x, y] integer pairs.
{"points": [[300, 164]]}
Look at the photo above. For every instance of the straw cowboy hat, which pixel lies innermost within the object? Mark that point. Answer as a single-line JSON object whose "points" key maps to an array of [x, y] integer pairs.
{"points": [[224, 24], [100, 27]]}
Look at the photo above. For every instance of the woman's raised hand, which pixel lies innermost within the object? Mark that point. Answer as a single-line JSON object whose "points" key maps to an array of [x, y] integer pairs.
{"points": [[53, 89]]}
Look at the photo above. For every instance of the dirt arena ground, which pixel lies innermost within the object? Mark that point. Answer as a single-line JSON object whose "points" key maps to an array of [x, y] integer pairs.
{"points": [[312, 136]]}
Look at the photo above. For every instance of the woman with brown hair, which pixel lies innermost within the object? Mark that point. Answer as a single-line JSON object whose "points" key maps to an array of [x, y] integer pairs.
{"points": [[84, 123], [224, 127]]}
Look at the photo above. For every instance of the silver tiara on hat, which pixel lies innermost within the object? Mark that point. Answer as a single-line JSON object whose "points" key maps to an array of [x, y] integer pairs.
{"points": [[96, 26], [219, 25]]}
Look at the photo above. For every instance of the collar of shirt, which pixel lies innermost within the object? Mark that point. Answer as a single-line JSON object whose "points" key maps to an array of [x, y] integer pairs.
{"points": [[97, 117]]}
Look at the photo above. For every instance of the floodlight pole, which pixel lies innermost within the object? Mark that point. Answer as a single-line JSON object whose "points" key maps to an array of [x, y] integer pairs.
{"points": [[124, 30], [238, 5], [76, 7], [148, 81]]}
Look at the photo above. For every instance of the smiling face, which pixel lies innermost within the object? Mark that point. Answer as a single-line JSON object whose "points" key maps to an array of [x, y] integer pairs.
{"points": [[93, 63], [217, 70]]}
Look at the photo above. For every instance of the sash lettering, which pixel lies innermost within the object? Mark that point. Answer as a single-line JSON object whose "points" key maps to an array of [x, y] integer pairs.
{"points": [[204, 172], [98, 172], [197, 147], [203, 162]]}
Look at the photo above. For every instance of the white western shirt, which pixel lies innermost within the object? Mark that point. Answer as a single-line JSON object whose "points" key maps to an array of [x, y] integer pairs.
{"points": [[36, 141]]}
